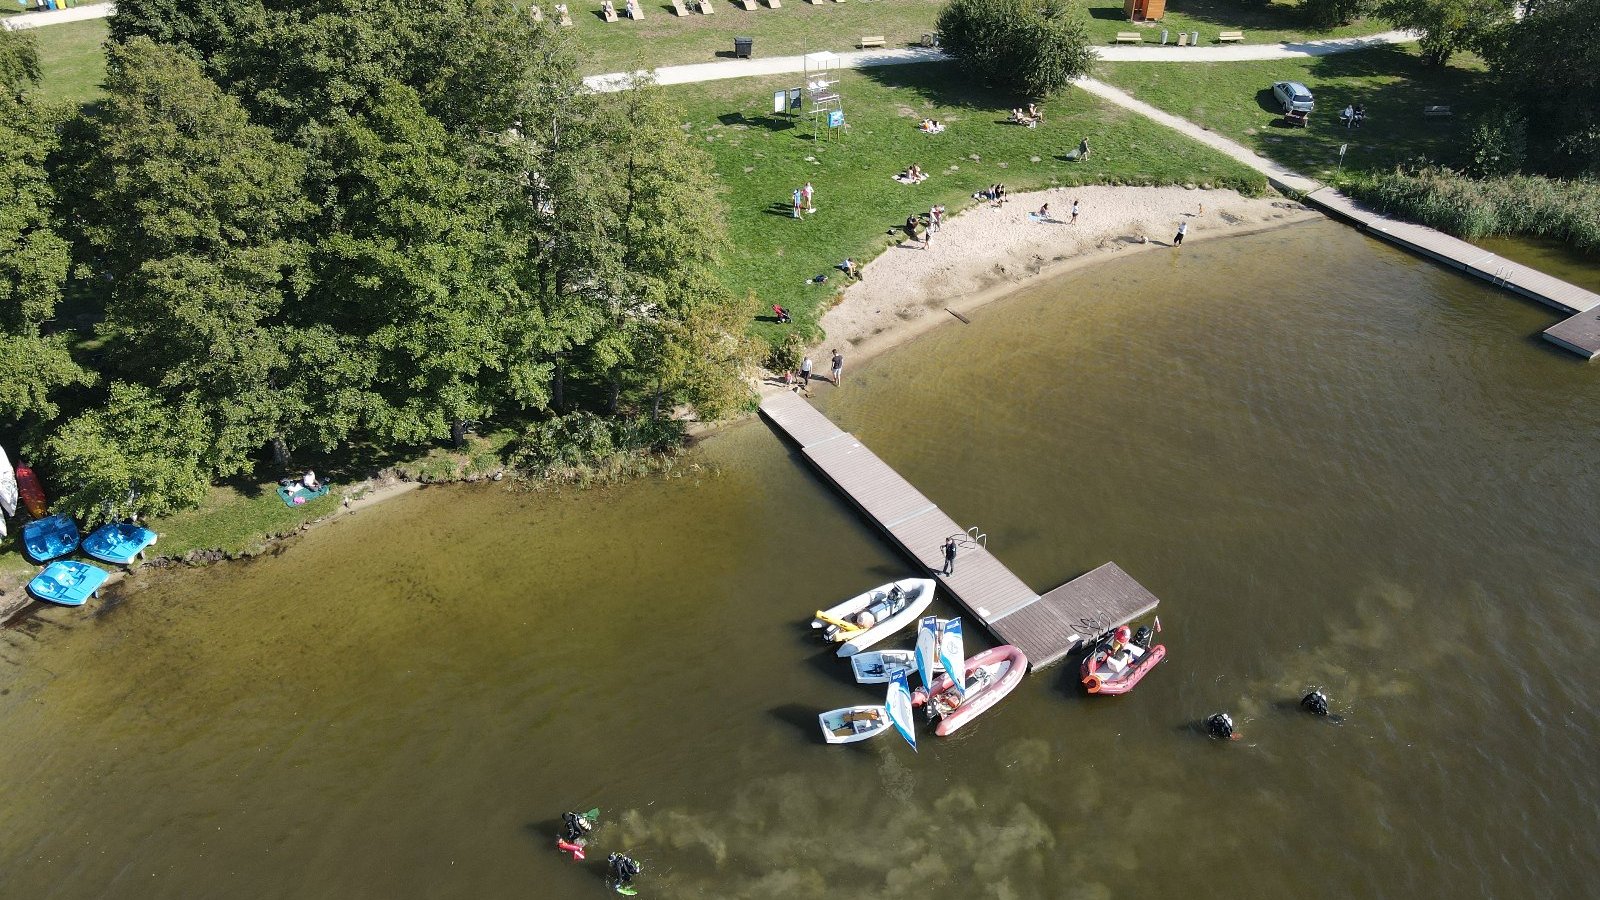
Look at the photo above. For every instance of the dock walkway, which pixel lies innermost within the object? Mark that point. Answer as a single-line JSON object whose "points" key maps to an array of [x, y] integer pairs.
{"points": [[1046, 627]]}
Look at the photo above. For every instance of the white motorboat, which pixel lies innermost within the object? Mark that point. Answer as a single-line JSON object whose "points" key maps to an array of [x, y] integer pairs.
{"points": [[880, 666], [853, 723], [869, 617]]}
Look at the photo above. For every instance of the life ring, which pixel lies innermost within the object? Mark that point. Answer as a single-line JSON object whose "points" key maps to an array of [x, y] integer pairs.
{"points": [[1093, 684]]}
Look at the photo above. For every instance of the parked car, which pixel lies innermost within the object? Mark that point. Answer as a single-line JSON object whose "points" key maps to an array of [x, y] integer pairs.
{"points": [[1293, 96]]}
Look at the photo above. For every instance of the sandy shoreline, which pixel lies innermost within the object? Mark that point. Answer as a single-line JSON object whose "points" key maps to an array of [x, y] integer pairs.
{"points": [[986, 253]]}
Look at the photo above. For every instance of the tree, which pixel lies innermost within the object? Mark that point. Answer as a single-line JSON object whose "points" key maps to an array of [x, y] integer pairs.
{"points": [[1331, 13], [1447, 25], [34, 257], [1557, 101], [188, 211], [1034, 46], [137, 453]]}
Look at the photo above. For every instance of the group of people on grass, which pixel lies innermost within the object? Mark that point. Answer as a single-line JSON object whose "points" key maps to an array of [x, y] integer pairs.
{"points": [[912, 175], [1030, 117], [930, 126]]}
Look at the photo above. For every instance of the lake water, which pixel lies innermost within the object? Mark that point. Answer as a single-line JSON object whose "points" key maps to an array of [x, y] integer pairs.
{"points": [[1336, 464]]}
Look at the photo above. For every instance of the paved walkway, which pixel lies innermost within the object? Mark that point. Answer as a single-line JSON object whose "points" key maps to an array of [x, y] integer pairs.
{"points": [[24, 21], [861, 59]]}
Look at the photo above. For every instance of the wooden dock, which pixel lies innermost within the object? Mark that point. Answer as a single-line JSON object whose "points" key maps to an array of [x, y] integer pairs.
{"points": [[1580, 333], [1045, 627]]}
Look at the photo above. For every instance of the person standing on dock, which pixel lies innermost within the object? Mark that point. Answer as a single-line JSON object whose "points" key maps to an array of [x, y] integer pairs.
{"points": [[838, 367], [949, 556], [805, 371], [1183, 228]]}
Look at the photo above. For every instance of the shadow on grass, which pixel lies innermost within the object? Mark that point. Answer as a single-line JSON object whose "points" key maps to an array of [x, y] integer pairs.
{"points": [[770, 123], [933, 82]]}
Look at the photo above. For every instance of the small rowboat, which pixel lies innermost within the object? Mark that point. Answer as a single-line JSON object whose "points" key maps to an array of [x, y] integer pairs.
{"points": [[119, 543], [880, 666], [50, 537], [68, 582], [31, 492], [990, 677], [1115, 663], [869, 617], [853, 723]]}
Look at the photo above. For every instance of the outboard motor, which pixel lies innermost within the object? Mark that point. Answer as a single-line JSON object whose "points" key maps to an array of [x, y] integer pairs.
{"points": [[1220, 726], [1315, 703], [1143, 637]]}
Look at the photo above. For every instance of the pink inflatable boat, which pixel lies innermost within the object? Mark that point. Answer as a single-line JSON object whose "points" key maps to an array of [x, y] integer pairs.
{"points": [[990, 676]]}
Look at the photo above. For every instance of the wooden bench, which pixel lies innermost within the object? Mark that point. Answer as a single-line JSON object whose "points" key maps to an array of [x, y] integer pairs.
{"points": [[1436, 112], [774, 4], [749, 5], [1129, 37], [608, 11], [635, 11], [871, 40], [678, 9], [1231, 37]]}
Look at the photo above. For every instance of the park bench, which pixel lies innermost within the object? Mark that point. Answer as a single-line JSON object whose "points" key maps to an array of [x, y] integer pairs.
{"points": [[774, 4], [749, 5], [705, 7], [678, 9], [635, 11], [1233, 37], [608, 11], [1436, 112], [1129, 37], [871, 40]]}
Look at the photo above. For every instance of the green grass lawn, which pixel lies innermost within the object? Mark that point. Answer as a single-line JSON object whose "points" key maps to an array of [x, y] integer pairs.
{"points": [[1262, 24], [1235, 99], [72, 60], [761, 158]]}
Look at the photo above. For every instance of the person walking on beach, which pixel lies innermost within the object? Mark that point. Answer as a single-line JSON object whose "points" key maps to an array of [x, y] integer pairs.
{"points": [[805, 194], [805, 371], [938, 216], [1183, 228], [1074, 213], [838, 367], [795, 197], [949, 556]]}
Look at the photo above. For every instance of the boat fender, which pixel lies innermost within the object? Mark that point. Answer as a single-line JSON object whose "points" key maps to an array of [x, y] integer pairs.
{"points": [[1315, 703], [1220, 726]]}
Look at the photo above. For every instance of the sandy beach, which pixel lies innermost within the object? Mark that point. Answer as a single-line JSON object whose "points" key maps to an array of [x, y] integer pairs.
{"points": [[987, 252]]}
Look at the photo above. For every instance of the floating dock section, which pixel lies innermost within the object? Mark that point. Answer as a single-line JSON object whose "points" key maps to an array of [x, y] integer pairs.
{"points": [[1580, 333], [1046, 627]]}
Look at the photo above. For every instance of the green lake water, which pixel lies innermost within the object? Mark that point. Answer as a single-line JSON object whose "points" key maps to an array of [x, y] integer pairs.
{"points": [[1337, 465]]}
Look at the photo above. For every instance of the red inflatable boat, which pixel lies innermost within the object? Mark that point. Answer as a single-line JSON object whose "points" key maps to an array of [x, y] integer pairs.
{"points": [[990, 676], [1117, 661]]}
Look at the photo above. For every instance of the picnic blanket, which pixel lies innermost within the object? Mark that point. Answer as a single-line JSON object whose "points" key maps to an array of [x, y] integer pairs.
{"points": [[904, 179], [299, 495]]}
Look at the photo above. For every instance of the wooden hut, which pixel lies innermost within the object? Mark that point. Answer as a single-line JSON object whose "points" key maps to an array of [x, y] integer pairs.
{"points": [[1145, 10]]}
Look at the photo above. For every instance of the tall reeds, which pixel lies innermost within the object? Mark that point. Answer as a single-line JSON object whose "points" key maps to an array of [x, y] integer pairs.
{"points": [[1563, 210]]}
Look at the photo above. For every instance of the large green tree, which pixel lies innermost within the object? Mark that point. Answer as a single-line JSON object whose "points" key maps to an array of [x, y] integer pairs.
{"points": [[189, 213], [1032, 46], [1558, 102], [137, 453], [34, 257], [1447, 26]]}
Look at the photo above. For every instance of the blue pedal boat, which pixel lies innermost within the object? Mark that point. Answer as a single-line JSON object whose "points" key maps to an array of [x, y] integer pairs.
{"points": [[68, 582], [50, 537], [119, 543]]}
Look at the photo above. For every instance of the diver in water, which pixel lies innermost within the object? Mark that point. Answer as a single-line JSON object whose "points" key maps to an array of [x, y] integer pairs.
{"points": [[574, 827], [623, 870], [1220, 726]]}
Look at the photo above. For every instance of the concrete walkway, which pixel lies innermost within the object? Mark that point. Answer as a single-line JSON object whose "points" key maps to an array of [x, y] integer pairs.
{"points": [[23, 21], [861, 59], [1281, 178]]}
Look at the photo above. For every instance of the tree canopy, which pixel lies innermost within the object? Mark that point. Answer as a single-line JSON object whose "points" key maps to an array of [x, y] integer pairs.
{"points": [[1034, 46]]}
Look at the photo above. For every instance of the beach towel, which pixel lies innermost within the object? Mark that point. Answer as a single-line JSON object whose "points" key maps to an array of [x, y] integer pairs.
{"points": [[905, 179], [299, 496]]}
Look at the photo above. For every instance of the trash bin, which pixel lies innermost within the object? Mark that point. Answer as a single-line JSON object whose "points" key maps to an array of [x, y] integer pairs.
{"points": [[1163, 37], [741, 47], [1194, 38]]}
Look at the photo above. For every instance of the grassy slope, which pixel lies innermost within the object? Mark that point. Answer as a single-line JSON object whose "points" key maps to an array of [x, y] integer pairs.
{"points": [[1235, 99], [760, 159], [72, 60]]}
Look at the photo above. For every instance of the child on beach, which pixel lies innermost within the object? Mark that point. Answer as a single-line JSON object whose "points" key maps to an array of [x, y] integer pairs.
{"points": [[1044, 212]]}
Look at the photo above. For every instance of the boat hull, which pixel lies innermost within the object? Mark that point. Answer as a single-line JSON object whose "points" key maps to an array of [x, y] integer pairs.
{"points": [[1096, 681], [68, 583], [47, 538], [119, 543], [919, 590], [850, 724], [1006, 666], [880, 666], [31, 491]]}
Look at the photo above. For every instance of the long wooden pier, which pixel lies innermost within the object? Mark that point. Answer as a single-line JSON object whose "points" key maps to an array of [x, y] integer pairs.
{"points": [[1580, 333], [1046, 627]]}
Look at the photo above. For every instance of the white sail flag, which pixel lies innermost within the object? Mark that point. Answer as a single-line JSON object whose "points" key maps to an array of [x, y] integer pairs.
{"points": [[8, 488], [899, 704], [952, 655], [928, 649]]}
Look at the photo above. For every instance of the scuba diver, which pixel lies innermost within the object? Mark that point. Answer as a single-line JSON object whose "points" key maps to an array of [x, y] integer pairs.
{"points": [[623, 869], [1220, 726], [575, 828]]}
